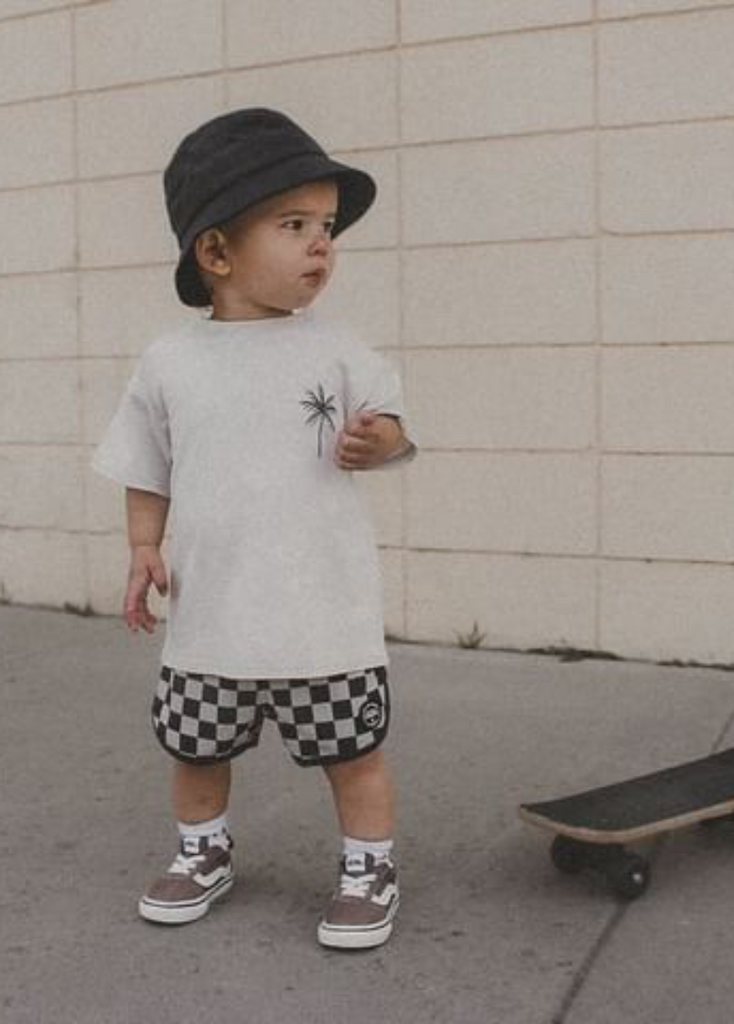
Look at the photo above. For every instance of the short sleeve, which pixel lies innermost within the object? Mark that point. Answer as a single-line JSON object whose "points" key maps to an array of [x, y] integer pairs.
{"points": [[136, 449], [373, 384]]}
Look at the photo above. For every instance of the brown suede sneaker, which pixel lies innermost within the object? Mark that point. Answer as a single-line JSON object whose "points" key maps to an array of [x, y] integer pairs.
{"points": [[361, 912], [201, 873]]}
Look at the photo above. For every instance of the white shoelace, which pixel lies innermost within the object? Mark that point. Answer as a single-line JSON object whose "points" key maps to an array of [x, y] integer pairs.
{"points": [[184, 865], [356, 885]]}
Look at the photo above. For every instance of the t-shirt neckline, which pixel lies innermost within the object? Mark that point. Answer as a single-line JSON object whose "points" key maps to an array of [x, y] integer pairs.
{"points": [[266, 322]]}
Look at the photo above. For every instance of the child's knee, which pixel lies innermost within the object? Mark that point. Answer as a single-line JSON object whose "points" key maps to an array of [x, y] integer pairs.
{"points": [[369, 766]]}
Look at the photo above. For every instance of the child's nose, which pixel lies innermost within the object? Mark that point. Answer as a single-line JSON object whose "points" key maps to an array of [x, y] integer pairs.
{"points": [[321, 240]]}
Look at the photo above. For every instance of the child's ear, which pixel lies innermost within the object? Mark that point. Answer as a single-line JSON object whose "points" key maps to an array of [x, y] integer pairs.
{"points": [[211, 253]]}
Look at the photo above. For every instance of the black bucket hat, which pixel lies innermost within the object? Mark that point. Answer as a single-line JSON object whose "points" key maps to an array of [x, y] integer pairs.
{"points": [[235, 161]]}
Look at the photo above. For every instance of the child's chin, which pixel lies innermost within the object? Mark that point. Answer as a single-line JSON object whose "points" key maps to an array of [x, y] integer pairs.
{"points": [[304, 301]]}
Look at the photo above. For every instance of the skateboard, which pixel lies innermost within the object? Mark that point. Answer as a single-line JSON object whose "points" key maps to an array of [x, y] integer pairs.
{"points": [[592, 828]]}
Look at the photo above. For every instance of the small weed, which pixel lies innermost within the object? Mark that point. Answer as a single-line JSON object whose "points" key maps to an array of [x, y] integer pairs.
{"points": [[470, 641], [74, 609]]}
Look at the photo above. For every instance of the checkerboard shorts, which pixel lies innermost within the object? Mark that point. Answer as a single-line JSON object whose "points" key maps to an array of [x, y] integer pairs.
{"points": [[205, 718]]}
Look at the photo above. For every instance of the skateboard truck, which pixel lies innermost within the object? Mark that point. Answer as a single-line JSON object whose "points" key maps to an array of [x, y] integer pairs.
{"points": [[627, 874]]}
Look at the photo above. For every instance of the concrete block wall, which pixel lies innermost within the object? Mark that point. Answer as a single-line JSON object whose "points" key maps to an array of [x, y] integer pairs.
{"points": [[550, 263]]}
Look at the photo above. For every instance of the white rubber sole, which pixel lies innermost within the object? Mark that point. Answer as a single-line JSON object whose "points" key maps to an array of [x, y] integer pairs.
{"points": [[166, 913], [336, 937]]}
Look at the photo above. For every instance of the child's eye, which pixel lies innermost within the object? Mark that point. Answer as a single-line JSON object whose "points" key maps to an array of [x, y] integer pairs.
{"points": [[293, 225], [329, 227]]}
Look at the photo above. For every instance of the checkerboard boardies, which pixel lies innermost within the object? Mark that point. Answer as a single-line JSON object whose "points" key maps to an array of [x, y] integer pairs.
{"points": [[242, 430], [321, 721]]}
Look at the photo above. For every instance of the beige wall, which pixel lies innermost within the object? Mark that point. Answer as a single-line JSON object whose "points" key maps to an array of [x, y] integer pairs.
{"points": [[551, 261]]}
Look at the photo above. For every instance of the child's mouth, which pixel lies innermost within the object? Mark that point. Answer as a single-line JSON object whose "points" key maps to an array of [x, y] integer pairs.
{"points": [[314, 278]]}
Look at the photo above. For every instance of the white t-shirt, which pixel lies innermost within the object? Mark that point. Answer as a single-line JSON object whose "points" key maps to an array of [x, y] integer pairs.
{"points": [[273, 566]]}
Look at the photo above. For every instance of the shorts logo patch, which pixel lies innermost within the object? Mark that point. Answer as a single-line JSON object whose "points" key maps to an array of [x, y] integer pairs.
{"points": [[371, 714]]}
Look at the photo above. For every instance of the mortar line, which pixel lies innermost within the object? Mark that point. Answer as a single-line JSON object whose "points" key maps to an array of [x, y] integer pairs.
{"points": [[400, 130], [80, 363], [224, 56], [598, 332], [420, 549]]}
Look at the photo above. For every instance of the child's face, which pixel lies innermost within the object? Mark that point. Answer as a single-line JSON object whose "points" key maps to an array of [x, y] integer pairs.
{"points": [[279, 256]]}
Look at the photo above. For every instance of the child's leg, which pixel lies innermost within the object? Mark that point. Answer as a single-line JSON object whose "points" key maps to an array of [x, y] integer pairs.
{"points": [[363, 796], [361, 912], [202, 872], [201, 791], [203, 721], [340, 722]]}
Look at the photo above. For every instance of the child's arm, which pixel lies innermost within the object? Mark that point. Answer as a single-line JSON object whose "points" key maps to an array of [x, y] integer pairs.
{"points": [[146, 522], [369, 440]]}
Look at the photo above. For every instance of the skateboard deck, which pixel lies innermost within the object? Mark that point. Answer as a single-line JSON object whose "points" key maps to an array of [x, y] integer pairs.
{"points": [[592, 827]]}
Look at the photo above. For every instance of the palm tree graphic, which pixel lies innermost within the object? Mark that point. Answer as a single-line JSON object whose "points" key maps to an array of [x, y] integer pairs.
{"points": [[320, 409]]}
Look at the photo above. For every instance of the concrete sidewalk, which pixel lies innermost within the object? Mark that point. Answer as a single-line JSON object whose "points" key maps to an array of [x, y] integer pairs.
{"points": [[489, 932]]}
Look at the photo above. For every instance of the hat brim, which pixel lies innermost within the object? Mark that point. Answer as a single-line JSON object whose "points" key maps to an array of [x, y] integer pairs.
{"points": [[357, 192]]}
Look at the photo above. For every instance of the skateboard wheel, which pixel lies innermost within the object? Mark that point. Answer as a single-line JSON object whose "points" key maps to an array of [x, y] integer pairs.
{"points": [[630, 878], [568, 855]]}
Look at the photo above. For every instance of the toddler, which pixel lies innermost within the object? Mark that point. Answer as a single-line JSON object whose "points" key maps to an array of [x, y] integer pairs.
{"points": [[241, 431]]}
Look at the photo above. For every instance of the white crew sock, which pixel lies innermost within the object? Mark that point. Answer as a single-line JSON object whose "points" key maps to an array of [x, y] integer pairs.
{"points": [[356, 849], [216, 831]]}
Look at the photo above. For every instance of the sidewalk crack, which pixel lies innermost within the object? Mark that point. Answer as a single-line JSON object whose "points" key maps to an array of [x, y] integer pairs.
{"points": [[597, 950], [588, 965], [718, 742]]}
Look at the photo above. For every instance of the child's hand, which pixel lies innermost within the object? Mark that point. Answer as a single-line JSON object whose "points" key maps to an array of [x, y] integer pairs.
{"points": [[367, 440], [146, 567]]}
